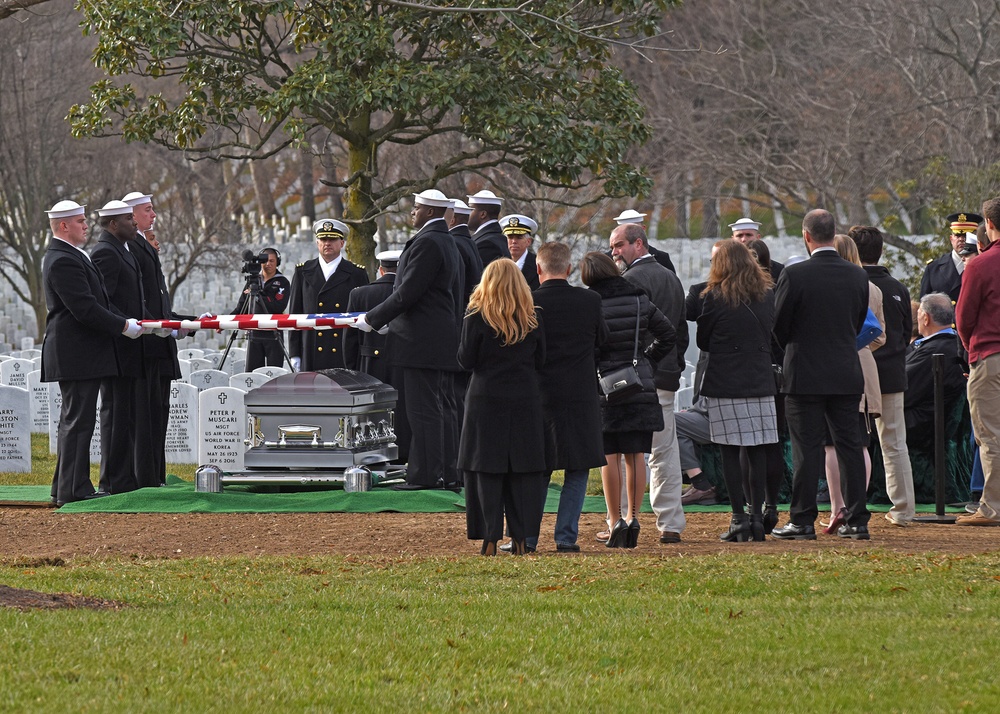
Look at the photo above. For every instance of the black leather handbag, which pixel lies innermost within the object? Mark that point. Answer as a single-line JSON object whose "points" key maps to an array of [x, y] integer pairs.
{"points": [[623, 382]]}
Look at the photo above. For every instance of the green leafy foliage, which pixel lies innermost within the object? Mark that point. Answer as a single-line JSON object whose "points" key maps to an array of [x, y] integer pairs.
{"points": [[530, 87]]}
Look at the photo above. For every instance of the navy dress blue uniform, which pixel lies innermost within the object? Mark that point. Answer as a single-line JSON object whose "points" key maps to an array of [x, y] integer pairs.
{"points": [[120, 394], [312, 293], [820, 307], [491, 243], [530, 270], [471, 259], [79, 350]]}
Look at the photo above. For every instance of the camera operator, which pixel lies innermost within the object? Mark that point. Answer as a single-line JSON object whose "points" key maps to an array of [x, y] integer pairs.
{"points": [[264, 347]]}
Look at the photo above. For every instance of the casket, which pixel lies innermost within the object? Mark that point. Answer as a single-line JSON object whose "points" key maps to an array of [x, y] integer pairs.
{"points": [[333, 419]]}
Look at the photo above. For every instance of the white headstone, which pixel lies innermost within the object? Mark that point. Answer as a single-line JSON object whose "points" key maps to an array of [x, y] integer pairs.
{"points": [[214, 359], [39, 391], [27, 343], [238, 353], [185, 366], [15, 430], [14, 372], [208, 378], [248, 380], [221, 428], [55, 403], [95, 439], [31, 353], [190, 353], [182, 427], [200, 363], [234, 366], [271, 372]]}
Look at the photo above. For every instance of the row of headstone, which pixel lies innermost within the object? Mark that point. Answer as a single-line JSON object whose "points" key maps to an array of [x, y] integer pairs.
{"points": [[14, 372], [15, 430]]}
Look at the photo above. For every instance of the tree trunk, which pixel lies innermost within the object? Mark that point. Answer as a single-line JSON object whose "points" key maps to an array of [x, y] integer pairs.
{"points": [[306, 179], [361, 165], [262, 189]]}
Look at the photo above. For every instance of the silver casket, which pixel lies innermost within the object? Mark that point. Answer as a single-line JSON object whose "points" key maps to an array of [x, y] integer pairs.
{"points": [[333, 419]]}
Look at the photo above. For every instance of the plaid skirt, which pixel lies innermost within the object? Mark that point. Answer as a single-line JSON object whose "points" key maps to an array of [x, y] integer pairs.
{"points": [[742, 421]]}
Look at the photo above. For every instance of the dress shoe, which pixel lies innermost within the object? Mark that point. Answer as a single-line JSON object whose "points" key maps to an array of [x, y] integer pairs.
{"points": [[412, 487], [897, 520], [669, 537], [454, 486], [791, 531], [567, 547], [489, 548], [632, 536], [618, 535], [739, 529], [972, 507], [855, 532], [839, 519], [508, 547], [697, 497], [96, 494], [770, 517], [976, 519], [757, 528]]}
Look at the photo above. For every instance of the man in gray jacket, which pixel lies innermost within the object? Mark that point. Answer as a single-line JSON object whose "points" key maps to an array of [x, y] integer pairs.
{"points": [[630, 250]]}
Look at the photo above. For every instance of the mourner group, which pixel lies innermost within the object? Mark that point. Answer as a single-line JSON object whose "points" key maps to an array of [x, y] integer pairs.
{"points": [[508, 372]]}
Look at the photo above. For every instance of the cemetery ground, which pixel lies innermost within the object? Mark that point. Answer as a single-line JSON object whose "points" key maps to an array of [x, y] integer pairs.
{"points": [[381, 612]]}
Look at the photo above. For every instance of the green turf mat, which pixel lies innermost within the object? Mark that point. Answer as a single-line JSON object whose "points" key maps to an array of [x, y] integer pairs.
{"points": [[41, 494]]}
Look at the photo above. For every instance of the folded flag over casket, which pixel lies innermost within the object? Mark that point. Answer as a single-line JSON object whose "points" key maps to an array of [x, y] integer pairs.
{"points": [[321, 321]]}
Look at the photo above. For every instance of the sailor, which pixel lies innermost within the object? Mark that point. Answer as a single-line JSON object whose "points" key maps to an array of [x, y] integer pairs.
{"points": [[520, 232]]}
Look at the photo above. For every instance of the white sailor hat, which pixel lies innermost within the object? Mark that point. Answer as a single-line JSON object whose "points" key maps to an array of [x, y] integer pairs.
{"points": [[388, 256], [745, 224], [971, 246], [516, 225], [629, 216], [433, 198], [484, 198], [114, 208], [66, 209], [461, 207], [137, 198], [330, 229]]}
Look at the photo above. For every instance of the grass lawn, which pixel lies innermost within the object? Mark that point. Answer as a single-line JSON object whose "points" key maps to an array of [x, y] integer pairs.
{"points": [[825, 632]]}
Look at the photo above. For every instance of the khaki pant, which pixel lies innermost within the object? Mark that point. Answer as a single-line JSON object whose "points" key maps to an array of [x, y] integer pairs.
{"points": [[665, 470], [984, 403], [891, 426]]}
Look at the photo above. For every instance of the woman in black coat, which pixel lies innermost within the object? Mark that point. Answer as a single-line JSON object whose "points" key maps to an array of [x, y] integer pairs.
{"points": [[502, 449], [628, 424], [734, 329]]}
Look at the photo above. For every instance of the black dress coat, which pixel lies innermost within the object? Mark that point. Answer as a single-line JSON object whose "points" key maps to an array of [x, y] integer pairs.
{"points": [[425, 308], [82, 329], [530, 271], [503, 427], [311, 293], [918, 401], [738, 343], [941, 276], [574, 328], [890, 358], [666, 292], [491, 243], [162, 350], [471, 261], [123, 281], [820, 307], [639, 412], [365, 351]]}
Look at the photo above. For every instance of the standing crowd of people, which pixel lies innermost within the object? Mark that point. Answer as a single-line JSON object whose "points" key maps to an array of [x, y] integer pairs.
{"points": [[499, 363]]}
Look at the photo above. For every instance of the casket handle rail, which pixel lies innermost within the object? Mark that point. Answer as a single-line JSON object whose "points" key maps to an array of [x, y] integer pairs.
{"points": [[299, 433]]}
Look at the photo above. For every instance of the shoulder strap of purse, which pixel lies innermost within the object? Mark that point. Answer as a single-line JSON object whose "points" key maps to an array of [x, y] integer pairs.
{"points": [[638, 313]]}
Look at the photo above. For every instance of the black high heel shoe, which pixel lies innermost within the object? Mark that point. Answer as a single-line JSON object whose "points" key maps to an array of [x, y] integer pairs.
{"points": [[770, 517], [632, 536], [489, 548], [518, 547], [739, 529], [757, 528], [619, 534]]}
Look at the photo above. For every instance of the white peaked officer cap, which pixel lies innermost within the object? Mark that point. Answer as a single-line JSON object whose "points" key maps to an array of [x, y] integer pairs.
{"points": [[745, 224], [461, 207], [432, 197], [66, 209], [114, 208], [517, 225], [330, 228], [388, 256], [137, 198], [629, 216], [484, 198]]}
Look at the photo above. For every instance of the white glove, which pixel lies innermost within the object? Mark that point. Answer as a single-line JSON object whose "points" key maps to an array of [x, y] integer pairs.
{"points": [[296, 364], [383, 330], [203, 315], [133, 329], [362, 324]]}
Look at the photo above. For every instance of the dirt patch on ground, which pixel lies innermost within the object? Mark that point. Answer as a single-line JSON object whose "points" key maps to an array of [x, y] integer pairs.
{"points": [[33, 535], [33, 600]]}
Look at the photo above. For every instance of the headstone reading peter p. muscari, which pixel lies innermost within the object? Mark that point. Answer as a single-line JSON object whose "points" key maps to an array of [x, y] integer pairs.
{"points": [[221, 428]]}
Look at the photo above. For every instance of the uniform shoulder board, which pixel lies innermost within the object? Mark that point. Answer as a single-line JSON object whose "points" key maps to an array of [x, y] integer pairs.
{"points": [[299, 265], [929, 261]]}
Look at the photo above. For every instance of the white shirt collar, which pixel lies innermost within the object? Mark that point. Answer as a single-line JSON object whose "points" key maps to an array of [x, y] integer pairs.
{"points": [[481, 227], [331, 267], [823, 248], [72, 246], [957, 260], [520, 261]]}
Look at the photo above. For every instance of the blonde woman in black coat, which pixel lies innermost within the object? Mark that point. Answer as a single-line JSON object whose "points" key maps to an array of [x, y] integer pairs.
{"points": [[734, 330], [627, 425], [502, 449]]}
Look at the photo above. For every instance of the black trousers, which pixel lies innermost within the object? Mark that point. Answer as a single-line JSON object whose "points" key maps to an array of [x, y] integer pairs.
{"points": [[118, 411], [809, 416], [518, 496], [152, 410], [77, 418], [264, 351], [432, 414]]}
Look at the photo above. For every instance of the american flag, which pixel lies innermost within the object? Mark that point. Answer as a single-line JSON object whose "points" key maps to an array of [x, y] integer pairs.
{"points": [[320, 321]]}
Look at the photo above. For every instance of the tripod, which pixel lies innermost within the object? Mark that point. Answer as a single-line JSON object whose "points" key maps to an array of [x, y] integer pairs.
{"points": [[252, 303]]}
